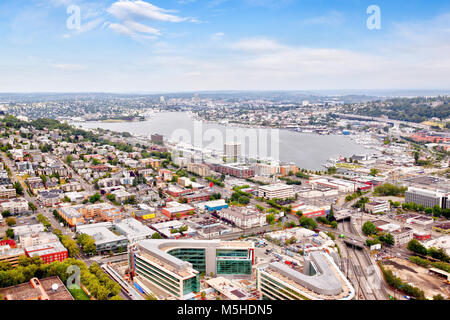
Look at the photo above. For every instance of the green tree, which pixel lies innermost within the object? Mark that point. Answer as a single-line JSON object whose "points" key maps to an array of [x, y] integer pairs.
{"points": [[96, 197], [369, 228], [87, 243], [19, 188], [10, 233], [156, 235], [32, 206], [415, 246], [11, 221], [387, 238], [6, 214], [270, 218], [438, 254], [308, 223]]}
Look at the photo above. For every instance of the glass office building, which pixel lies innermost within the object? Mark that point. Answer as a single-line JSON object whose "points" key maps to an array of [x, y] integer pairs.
{"points": [[233, 262], [195, 256], [174, 266]]}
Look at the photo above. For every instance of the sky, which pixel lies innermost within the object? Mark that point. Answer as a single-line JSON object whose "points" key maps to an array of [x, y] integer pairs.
{"points": [[205, 45]]}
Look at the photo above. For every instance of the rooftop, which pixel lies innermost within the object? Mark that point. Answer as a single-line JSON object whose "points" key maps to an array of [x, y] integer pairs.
{"points": [[100, 233], [51, 288], [275, 187]]}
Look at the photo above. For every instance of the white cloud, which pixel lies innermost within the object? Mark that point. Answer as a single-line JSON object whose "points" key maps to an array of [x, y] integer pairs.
{"points": [[142, 28], [129, 10], [135, 30], [266, 64]]}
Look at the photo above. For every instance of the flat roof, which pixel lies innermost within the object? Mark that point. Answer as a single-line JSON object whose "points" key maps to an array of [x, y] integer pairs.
{"points": [[445, 226], [133, 228], [275, 187], [101, 234], [324, 282], [44, 249], [228, 288], [26, 291]]}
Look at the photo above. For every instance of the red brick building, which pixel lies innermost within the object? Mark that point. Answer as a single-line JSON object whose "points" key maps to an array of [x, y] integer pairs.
{"points": [[178, 211], [196, 197], [49, 252]]}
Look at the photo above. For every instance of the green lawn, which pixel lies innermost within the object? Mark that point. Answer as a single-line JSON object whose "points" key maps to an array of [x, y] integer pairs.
{"points": [[78, 294]]}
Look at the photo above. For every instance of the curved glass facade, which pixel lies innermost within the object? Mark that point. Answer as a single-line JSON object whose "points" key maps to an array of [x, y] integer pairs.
{"points": [[194, 256]]}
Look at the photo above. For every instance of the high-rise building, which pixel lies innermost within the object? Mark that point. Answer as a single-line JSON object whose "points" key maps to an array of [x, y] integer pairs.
{"points": [[231, 151], [157, 138]]}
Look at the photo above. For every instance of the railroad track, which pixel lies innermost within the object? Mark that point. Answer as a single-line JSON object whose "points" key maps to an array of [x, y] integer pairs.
{"points": [[360, 277]]}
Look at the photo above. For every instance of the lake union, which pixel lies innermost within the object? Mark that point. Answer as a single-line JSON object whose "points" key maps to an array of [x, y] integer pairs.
{"points": [[306, 150]]}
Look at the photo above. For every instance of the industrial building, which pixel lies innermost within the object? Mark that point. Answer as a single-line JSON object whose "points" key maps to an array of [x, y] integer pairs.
{"points": [[215, 205]]}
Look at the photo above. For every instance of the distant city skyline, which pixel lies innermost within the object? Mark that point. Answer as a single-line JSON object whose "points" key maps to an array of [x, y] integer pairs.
{"points": [[173, 46]]}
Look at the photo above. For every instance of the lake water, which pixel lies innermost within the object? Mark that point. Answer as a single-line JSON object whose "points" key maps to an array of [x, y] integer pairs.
{"points": [[306, 150]]}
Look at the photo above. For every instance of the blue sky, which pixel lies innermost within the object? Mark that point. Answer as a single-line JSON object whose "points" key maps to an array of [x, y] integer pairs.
{"points": [[197, 45]]}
